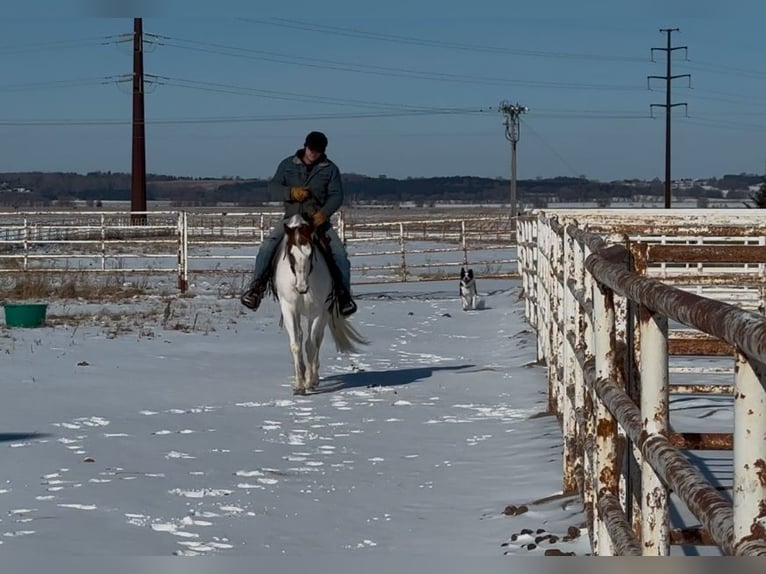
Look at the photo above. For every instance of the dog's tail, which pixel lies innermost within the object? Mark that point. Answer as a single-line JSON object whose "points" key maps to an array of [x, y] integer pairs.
{"points": [[344, 334]]}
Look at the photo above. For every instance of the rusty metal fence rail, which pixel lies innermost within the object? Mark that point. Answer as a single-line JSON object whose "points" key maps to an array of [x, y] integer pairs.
{"points": [[607, 330]]}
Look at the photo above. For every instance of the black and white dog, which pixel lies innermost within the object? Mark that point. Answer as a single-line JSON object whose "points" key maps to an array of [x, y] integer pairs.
{"points": [[469, 295]]}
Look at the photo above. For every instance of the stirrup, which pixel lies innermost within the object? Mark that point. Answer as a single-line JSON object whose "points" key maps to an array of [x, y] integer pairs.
{"points": [[346, 306]]}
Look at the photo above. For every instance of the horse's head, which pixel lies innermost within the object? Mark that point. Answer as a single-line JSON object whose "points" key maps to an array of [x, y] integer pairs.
{"points": [[300, 250]]}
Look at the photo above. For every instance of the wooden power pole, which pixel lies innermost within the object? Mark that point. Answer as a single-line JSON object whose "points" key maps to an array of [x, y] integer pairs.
{"points": [[138, 164]]}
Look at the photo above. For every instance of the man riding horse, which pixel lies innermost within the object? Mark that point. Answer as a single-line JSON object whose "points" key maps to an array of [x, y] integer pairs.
{"points": [[310, 185]]}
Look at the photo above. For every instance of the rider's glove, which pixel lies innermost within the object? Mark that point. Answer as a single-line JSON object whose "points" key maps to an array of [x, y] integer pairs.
{"points": [[299, 193]]}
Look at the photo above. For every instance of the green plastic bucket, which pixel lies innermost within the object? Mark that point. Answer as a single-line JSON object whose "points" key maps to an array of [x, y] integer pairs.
{"points": [[25, 314]]}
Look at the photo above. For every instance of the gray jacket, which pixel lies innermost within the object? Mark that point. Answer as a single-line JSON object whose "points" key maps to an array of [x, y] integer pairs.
{"points": [[323, 181]]}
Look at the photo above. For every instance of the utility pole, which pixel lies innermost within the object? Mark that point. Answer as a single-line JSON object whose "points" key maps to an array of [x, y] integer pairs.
{"points": [[668, 77], [138, 164], [512, 113]]}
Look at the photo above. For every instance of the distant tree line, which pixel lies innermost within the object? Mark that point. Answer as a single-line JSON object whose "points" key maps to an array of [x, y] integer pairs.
{"points": [[59, 188], [759, 197]]}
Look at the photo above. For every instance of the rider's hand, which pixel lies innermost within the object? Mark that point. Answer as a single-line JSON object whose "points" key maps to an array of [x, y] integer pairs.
{"points": [[318, 218], [299, 193]]}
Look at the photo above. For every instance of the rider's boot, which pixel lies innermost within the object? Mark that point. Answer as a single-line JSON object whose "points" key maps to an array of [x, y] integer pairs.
{"points": [[252, 297], [346, 305]]}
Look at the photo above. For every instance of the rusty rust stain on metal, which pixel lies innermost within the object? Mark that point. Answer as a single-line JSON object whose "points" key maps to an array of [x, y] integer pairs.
{"points": [[706, 253], [678, 227], [695, 536], [760, 465], [702, 441], [606, 427], [699, 346], [608, 476], [701, 389], [623, 539], [755, 543]]}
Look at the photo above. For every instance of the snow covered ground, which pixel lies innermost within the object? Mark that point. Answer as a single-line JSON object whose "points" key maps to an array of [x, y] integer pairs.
{"points": [[167, 427]]}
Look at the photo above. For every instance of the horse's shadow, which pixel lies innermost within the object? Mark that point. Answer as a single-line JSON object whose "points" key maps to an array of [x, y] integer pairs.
{"points": [[388, 378], [14, 436]]}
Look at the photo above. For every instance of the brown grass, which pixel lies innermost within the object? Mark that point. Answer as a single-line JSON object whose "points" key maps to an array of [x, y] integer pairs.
{"points": [[72, 285]]}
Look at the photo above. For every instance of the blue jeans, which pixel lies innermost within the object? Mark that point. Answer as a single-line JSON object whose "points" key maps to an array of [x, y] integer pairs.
{"points": [[271, 243]]}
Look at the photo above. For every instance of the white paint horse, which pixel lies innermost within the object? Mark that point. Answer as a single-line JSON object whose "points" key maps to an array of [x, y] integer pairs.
{"points": [[304, 287]]}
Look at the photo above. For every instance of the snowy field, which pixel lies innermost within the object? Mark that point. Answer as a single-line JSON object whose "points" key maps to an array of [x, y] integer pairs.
{"points": [[167, 427]]}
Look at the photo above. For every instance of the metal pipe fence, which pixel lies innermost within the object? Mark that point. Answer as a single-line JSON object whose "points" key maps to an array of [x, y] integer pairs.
{"points": [[186, 244], [608, 332]]}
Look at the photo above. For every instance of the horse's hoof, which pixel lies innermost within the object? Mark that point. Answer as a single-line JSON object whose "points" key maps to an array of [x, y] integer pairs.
{"points": [[300, 391]]}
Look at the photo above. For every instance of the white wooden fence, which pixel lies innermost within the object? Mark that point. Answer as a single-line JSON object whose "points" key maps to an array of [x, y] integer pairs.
{"points": [[607, 330]]}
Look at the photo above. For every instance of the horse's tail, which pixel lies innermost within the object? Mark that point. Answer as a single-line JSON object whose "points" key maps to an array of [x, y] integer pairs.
{"points": [[344, 334]]}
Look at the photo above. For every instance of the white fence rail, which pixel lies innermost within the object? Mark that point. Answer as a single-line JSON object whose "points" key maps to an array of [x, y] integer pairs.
{"points": [[607, 331], [203, 243]]}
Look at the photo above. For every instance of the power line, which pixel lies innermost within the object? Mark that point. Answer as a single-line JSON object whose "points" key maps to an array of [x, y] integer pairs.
{"points": [[723, 70], [738, 99], [589, 114], [708, 122], [54, 84], [552, 149], [294, 96], [373, 69], [103, 122], [411, 40], [61, 45], [383, 113]]}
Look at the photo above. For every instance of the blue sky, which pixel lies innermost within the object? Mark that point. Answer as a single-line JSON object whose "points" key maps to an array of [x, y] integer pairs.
{"points": [[401, 89]]}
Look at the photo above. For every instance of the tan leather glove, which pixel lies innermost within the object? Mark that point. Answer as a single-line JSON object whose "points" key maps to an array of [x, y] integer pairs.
{"points": [[299, 193], [318, 218]]}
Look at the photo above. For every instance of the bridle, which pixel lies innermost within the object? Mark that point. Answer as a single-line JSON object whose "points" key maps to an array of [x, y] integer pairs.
{"points": [[300, 236]]}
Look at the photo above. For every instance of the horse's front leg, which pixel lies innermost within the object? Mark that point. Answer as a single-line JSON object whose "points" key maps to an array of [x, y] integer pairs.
{"points": [[295, 334], [313, 345]]}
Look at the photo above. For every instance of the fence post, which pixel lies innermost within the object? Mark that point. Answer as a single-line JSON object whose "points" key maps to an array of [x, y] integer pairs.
{"points": [[653, 367], [749, 492], [584, 329], [633, 457], [533, 261], [588, 423], [183, 252], [569, 422], [547, 320], [25, 239], [103, 243], [557, 320], [342, 225], [463, 242], [605, 472], [521, 268], [542, 294], [524, 269], [404, 253]]}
